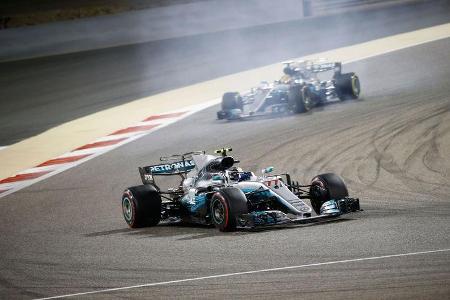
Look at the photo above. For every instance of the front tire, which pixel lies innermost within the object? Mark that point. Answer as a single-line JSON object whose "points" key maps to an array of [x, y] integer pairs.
{"points": [[226, 206], [325, 187], [300, 100], [232, 100], [141, 206]]}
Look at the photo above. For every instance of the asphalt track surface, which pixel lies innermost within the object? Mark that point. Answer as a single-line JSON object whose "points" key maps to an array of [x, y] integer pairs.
{"points": [[66, 234], [39, 94]]}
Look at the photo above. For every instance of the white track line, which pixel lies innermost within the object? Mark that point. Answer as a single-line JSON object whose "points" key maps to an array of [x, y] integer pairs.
{"points": [[248, 272]]}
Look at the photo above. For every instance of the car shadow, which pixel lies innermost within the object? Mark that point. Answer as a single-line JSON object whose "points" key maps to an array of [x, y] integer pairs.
{"points": [[334, 103], [196, 232], [296, 226], [313, 110], [184, 230]]}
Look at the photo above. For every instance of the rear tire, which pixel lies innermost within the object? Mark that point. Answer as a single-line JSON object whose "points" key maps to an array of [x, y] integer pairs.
{"points": [[141, 206], [347, 86], [226, 206], [325, 187], [232, 100]]}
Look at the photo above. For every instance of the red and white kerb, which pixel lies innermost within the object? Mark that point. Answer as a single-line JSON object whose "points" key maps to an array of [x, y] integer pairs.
{"points": [[88, 151]]}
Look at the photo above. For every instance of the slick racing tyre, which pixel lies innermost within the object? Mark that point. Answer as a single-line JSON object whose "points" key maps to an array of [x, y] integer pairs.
{"points": [[226, 206], [347, 86], [232, 100], [325, 187], [141, 206], [299, 100]]}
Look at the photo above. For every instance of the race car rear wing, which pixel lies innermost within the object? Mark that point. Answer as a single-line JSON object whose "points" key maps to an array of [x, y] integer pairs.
{"points": [[174, 165], [315, 66], [323, 67], [168, 169]]}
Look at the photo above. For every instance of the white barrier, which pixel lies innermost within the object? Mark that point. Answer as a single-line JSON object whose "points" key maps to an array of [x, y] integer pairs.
{"points": [[164, 23], [143, 26], [325, 7]]}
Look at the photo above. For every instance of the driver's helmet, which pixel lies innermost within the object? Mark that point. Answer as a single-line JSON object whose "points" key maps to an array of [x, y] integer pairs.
{"points": [[236, 174], [233, 173], [285, 79], [288, 70]]}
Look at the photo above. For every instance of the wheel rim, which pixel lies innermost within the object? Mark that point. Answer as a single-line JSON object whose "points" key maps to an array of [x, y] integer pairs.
{"points": [[316, 203], [356, 88], [218, 211], [127, 208]]}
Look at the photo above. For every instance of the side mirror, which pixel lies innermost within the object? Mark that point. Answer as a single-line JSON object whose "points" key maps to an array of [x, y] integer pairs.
{"points": [[266, 170]]}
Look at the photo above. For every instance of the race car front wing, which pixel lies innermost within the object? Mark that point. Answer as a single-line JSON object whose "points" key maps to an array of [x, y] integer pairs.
{"points": [[271, 218]]}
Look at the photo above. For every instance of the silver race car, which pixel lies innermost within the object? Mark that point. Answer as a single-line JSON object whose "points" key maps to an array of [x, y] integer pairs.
{"points": [[299, 90], [214, 191]]}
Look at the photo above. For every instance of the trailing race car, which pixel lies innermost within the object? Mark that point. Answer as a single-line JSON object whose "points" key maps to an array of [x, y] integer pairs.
{"points": [[214, 191], [297, 91]]}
